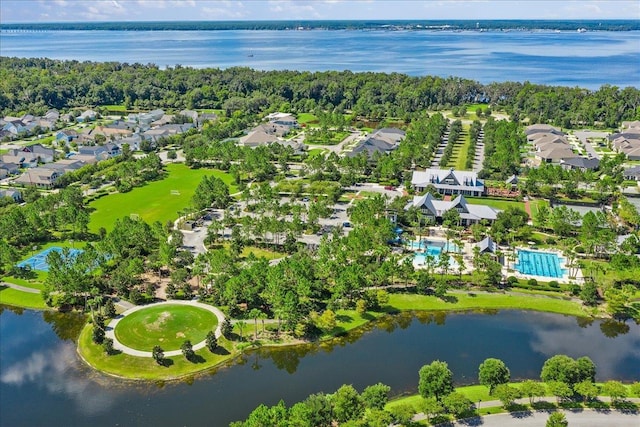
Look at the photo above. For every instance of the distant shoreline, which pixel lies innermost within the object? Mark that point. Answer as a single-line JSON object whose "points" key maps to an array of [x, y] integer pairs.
{"points": [[302, 25]]}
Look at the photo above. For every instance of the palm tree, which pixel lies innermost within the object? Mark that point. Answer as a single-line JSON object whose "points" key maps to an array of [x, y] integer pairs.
{"points": [[255, 314], [241, 324]]}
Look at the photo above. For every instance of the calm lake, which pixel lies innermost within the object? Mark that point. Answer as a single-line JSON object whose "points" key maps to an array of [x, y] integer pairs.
{"points": [[43, 382], [565, 58]]}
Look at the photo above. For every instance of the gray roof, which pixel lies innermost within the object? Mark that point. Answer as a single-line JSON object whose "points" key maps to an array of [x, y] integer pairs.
{"points": [[582, 162], [461, 180], [633, 171], [467, 210], [487, 245]]}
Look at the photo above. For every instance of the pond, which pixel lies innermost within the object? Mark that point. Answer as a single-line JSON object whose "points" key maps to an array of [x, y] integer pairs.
{"points": [[43, 382]]}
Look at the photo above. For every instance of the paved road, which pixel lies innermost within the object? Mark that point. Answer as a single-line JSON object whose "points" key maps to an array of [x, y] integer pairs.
{"points": [[110, 330], [20, 288], [583, 135], [584, 418]]}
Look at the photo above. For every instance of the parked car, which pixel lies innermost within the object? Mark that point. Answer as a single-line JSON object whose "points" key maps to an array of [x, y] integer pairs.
{"points": [[389, 187], [346, 224]]}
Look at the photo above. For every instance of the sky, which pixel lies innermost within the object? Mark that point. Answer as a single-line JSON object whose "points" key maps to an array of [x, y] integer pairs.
{"points": [[221, 10]]}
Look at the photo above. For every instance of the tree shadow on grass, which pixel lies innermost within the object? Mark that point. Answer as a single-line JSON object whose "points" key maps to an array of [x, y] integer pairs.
{"points": [[221, 351], [599, 406], [166, 363], [452, 299], [343, 318], [196, 358]]}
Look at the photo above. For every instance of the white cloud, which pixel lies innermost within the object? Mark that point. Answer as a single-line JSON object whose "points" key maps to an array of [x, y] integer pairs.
{"points": [[50, 370]]}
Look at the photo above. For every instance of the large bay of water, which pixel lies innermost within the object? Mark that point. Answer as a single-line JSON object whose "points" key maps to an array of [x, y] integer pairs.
{"points": [[565, 58], [43, 382]]}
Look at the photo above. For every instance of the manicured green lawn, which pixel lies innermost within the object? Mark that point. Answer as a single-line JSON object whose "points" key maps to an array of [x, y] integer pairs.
{"points": [[463, 148], [14, 297], [495, 203], [166, 325], [36, 283], [154, 201], [485, 301], [146, 368], [315, 152], [307, 119]]}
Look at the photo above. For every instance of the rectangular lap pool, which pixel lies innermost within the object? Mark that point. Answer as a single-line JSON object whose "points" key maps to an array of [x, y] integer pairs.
{"points": [[535, 263]]}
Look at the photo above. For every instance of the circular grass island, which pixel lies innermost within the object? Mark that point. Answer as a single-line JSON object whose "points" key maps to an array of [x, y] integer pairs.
{"points": [[166, 325]]}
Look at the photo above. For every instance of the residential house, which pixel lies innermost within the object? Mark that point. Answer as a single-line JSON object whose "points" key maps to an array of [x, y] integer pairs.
{"points": [[9, 169], [632, 173], [381, 141], [99, 152], [20, 158], [87, 116], [45, 155], [52, 115], [580, 163], [87, 158], [204, 117], [65, 165], [434, 209], [154, 135], [14, 127], [635, 125], [283, 119], [542, 129], [164, 120], [132, 141], [627, 144], [39, 177], [191, 114], [110, 132], [11, 192], [258, 137], [448, 181], [66, 136], [555, 154], [67, 118]]}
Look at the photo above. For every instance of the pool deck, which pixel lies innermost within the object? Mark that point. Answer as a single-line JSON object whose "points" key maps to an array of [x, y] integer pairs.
{"points": [[507, 270], [566, 278]]}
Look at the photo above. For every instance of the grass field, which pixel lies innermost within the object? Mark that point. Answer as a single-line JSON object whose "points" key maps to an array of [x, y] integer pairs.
{"points": [[307, 119], [462, 147], [146, 368], [166, 325], [495, 203], [154, 201], [473, 301], [18, 298]]}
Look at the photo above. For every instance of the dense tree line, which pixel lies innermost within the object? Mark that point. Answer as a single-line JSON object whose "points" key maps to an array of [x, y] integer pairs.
{"points": [[36, 85], [503, 141]]}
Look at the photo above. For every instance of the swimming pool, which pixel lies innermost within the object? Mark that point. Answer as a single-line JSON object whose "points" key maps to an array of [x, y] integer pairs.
{"points": [[536, 263], [433, 247], [420, 258]]}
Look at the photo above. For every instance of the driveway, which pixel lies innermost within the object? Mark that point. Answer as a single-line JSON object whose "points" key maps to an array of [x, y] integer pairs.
{"points": [[583, 137]]}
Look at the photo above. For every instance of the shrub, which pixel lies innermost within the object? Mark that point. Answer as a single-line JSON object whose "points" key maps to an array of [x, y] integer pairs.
{"points": [[532, 282], [554, 284]]}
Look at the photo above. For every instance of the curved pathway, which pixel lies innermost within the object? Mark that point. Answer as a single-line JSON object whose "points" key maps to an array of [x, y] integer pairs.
{"points": [[20, 288], [582, 418], [110, 329]]}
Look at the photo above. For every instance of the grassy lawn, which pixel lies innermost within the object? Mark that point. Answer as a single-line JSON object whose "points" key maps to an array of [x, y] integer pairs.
{"points": [[315, 152], [146, 368], [461, 158], [261, 253], [495, 203], [154, 201], [486, 301], [167, 326], [307, 119], [35, 283], [14, 297]]}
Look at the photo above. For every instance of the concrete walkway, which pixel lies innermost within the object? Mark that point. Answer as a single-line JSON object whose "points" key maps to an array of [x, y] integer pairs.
{"points": [[110, 329], [576, 418], [20, 288], [540, 416]]}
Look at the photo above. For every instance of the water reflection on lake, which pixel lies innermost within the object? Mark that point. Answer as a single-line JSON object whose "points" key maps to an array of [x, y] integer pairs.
{"points": [[42, 382]]}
